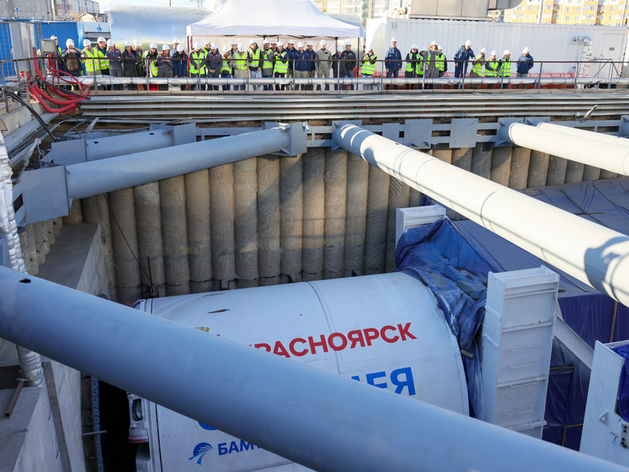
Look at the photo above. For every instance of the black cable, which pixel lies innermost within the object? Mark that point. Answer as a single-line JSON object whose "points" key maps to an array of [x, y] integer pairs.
{"points": [[17, 98]]}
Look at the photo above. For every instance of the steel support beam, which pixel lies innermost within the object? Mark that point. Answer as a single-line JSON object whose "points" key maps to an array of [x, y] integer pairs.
{"points": [[605, 138], [576, 146], [311, 417], [590, 252]]}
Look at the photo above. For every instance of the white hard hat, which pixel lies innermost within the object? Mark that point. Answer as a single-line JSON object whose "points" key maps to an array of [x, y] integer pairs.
{"points": [[110, 43], [206, 41], [525, 50], [86, 43], [175, 41], [273, 41], [241, 47], [339, 48], [165, 47], [180, 47], [323, 42], [370, 47], [483, 51], [300, 45], [252, 41], [127, 43], [434, 43], [424, 49], [309, 43], [280, 43], [291, 41], [213, 46], [136, 43], [101, 39], [507, 52], [69, 42], [53, 37], [197, 45], [266, 41], [439, 47], [493, 53], [414, 46], [393, 40], [153, 46], [348, 43], [468, 43], [225, 48], [234, 43]]}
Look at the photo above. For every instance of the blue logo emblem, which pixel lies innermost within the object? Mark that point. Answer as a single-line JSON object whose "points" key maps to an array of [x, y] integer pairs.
{"points": [[199, 451], [204, 426]]}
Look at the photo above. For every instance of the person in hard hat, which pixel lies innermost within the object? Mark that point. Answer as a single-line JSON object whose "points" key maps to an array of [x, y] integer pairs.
{"points": [[227, 65], [349, 62], [56, 62], [102, 48], [165, 66], [419, 70], [241, 65], [175, 44], [139, 54], [525, 64], [150, 63], [492, 67], [254, 61], [478, 67], [368, 65], [393, 61], [411, 60], [213, 62], [268, 62], [290, 50], [281, 64], [442, 64], [129, 63], [72, 58], [301, 65], [115, 66], [91, 59], [505, 68], [180, 65], [322, 64], [337, 65], [462, 56], [431, 69], [311, 57], [197, 66]]}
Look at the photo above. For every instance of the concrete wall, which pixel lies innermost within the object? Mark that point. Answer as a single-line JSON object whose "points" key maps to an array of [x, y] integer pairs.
{"points": [[38, 9]]}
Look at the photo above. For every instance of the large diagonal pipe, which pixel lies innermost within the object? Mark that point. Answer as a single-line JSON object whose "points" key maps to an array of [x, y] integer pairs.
{"points": [[589, 252], [311, 417], [586, 147]]}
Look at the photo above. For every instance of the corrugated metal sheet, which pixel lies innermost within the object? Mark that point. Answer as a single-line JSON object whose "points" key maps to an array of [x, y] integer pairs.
{"points": [[64, 30], [547, 42], [5, 49]]}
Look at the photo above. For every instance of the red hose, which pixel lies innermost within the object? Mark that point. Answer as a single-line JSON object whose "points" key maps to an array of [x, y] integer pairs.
{"points": [[62, 111], [54, 100], [56, 73]]}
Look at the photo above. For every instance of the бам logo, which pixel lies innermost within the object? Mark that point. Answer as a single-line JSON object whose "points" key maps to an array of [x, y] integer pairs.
{"points": [[199, 451]]}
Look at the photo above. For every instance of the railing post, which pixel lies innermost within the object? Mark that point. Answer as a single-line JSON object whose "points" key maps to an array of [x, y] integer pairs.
{"points": [[576, 75], [539, 79], [6, 98]]}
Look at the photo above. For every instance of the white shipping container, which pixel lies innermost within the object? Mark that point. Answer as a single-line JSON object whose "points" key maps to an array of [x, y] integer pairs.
{"points": [[547, 42]]}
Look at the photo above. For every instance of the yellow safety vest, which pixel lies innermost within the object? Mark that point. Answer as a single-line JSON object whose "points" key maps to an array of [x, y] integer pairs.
{"points": [[255, 62], [505, 71], [241, 61], [225, 66], [197, 62], [419, 69], [441, 62], [367, 67], [93, 63], [154, 69], [266, 63], [281, 62], [103, 64], [478, 68], [412, 57], [491, 68]]}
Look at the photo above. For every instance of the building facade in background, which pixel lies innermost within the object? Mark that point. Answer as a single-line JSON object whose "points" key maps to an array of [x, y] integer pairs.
{"points": [[363, 8], [73, 9], [570, 12]]}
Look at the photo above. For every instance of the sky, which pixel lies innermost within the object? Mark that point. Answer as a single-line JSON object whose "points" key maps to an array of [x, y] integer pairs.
{"points": [[104, 4]]}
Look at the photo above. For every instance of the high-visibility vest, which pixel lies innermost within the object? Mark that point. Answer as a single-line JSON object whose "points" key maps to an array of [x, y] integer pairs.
{"points": [[241, 61], [505, 70], [367, 67], [255, 61], [281, 62], [491, 68], [225, 67], [154, 68], [266, 63], [478, 68], [197, 62], [410, 66], [103, 64], [93, 63], [419, 68], [441, 62]]}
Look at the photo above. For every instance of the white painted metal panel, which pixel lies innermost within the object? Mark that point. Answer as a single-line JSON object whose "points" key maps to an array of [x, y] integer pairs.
{"points": [[608, 43]]}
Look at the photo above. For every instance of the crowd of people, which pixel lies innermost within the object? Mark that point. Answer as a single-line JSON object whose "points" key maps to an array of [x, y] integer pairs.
{"points": [[275, 59]]}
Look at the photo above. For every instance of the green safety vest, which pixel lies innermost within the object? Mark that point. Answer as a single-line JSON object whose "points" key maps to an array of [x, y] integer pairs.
{"points": [[441, 62], [241, 61], [266, 64], [103, 64], [367, 67], [197, 62], [492, 70], [478, 68], [154, 68], [410, 65], [281, 62], [255, 63], [225, 67], [505, 71], [93, 63], [419, 69]]}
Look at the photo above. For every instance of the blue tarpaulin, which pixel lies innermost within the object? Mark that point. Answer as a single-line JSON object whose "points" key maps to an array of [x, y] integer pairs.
{"points": [[591, 314], [623, 390]]}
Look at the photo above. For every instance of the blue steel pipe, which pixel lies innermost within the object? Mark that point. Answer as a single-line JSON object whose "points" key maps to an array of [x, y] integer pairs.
{"points": [[311, 417]]}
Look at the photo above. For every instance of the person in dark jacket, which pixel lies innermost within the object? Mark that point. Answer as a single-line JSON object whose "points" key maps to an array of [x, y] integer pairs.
{"points": [[525, 64], [312, 57], [115, 66], [165, 65], [348, 58], [290, 50], [462, 56], [393, 61], [338, 67], [180, 64], [72, 59], [213, 62], [300, 58]]}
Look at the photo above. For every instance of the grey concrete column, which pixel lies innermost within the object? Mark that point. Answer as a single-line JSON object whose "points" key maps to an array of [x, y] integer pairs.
{"points": [[605, 174], [356, 223], [501, 165], [462, 158], [443, 153], [574, 172], [49, 235], [222, 224], [520, 161], [377, 212], [38, 231], [538, 169], [398, 198], [414, 198], [481, 161], [199, 240], [335, 212], [246, 222], [29, 250], [148, 217], [556, 170], [292, 212], [125, 245], [57, 224], [76, 214], [314, 214], [269, 220], [591, 173]]}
